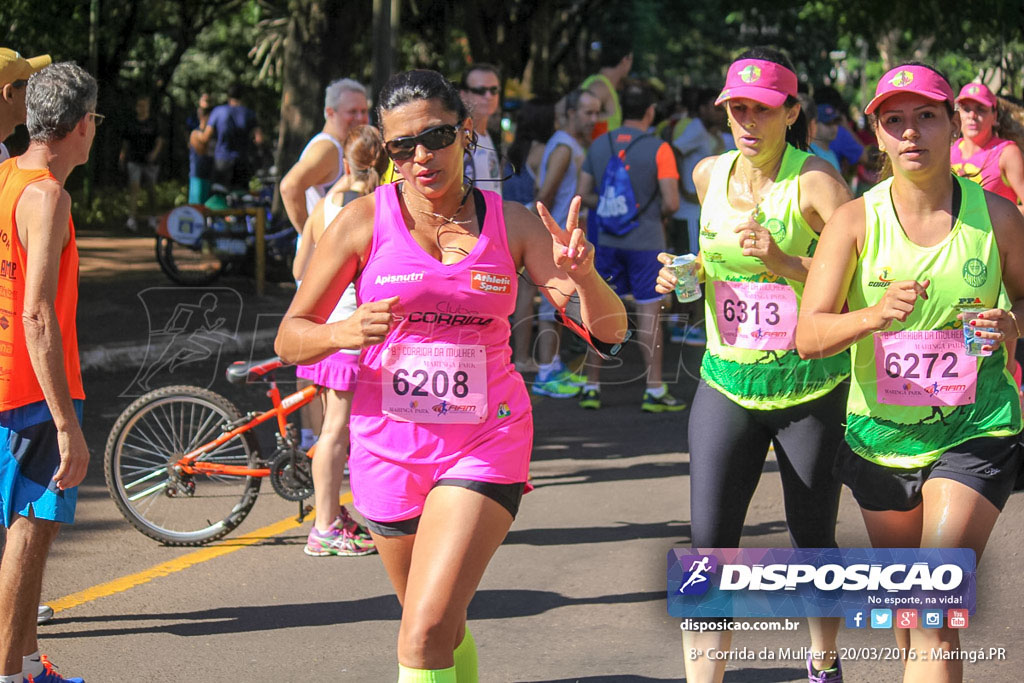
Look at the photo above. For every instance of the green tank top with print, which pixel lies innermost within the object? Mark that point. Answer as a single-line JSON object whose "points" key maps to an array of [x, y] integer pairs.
{"points": [[964, 270], [758, 378]]}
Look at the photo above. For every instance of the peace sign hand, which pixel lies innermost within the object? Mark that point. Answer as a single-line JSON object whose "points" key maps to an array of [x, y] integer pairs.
{"points": [[571, 251]]}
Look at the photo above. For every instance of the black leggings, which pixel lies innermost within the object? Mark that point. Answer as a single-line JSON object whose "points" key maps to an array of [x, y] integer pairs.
{"points": [[728, 447]]}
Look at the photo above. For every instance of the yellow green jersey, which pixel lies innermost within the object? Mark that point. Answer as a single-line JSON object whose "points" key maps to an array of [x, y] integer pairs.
{"points": [[889, 420], [745, 302]]}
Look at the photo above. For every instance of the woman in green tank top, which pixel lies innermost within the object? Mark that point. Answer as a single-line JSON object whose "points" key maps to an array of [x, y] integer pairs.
{"points": [[931, 425], [761, 209]]}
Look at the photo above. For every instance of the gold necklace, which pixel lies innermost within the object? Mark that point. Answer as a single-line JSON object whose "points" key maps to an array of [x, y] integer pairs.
{"points": [[445, 220], [755, 195]]}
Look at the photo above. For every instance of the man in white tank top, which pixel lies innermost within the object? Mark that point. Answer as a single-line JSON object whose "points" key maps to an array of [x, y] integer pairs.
{"points": [[319, 166]]}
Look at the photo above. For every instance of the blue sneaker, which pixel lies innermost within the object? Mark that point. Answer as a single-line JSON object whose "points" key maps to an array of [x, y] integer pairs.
{"points": [[574, 378], [50, 674], [558, 386]]}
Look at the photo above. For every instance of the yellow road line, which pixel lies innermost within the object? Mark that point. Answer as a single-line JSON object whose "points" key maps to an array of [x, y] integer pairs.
{"points": [[214, 550]]}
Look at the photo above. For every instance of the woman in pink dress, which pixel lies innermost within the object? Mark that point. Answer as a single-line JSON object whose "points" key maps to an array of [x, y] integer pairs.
{"points": [[441, 424]]}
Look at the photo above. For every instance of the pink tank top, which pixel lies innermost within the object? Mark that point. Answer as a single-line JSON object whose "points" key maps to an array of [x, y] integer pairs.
{"points": [[443, 378], [983, 166]]}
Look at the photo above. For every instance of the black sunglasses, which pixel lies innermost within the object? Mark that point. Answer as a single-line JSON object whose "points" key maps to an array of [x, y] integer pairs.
{"points": [[491, 89], [433, 139]]}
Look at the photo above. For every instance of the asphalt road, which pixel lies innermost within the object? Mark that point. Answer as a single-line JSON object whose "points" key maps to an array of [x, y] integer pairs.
{"points": [[577, 592]]}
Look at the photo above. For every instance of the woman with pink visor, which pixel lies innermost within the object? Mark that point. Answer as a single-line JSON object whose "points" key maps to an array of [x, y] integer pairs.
{"points": [[992, 162], [931, 423], [762, 207]]}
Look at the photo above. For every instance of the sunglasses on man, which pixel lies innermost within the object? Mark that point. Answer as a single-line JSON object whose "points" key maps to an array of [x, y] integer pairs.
{"points": [[438, 137], [486, 90]]}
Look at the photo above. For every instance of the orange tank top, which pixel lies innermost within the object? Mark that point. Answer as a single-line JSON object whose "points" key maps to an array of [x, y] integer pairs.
{"points": [[18, 383]]}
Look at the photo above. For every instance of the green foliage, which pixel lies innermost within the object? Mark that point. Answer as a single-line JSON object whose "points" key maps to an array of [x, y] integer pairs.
{"points": [[110, 207], [175, 49]]}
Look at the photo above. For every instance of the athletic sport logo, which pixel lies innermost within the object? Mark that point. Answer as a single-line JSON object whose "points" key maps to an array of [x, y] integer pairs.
{"points": [[973, 90], [750, 74], [902, 79], [885, 274], [975, 272], [696, 580], [491, 283]]}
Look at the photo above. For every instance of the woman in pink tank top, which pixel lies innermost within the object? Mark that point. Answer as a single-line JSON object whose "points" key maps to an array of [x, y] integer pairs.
{"points": [[441, 425], [992, 162]]}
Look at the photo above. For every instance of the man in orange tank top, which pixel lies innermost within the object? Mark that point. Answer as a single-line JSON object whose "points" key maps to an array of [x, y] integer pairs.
{"points": [[43, 455]]}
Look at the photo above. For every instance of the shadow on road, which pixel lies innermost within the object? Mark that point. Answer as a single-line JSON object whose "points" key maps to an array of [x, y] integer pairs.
{"points": [[624, 531], [741, 676], [488, 604]]}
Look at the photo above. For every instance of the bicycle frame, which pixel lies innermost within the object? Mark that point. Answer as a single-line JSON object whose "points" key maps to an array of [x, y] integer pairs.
{"points": [[190, 463]]}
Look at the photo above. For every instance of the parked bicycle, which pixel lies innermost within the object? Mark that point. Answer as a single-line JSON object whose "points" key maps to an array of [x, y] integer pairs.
{"points": [[183, 464], [195, 245]]}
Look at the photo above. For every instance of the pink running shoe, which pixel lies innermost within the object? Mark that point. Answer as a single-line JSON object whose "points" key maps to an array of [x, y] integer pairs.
{"points": [[336, 542], [344, 521]]}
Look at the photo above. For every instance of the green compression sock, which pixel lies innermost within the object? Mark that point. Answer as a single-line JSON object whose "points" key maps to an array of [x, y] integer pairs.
{"points": [[407, 675], [465, 660]]}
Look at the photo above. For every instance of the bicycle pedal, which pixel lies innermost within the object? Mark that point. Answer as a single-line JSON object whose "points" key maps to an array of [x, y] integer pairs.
{"points": [[304, 511]]}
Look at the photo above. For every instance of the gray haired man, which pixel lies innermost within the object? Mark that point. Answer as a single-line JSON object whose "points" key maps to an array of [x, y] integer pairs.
{"points": [[319, 166], [43, 455]]}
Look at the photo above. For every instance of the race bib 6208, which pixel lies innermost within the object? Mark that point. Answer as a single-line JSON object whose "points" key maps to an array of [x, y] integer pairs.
{"points": [[437, 383]]}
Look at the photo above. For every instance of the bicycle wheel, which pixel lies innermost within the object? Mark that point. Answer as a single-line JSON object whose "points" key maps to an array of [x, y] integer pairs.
{"points": [[187, 266], [173, 507]]}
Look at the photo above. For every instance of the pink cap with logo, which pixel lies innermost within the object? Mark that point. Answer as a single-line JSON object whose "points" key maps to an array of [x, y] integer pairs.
{"points": [[914, 78], [759, 80], [978, 92]]}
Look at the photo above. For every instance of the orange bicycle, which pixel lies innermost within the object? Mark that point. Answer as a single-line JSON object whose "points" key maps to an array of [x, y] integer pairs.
{"points": [[183, 464]]}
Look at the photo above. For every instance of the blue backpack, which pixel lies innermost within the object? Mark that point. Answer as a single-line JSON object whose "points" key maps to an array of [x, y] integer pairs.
{"points": [[617, 210]]}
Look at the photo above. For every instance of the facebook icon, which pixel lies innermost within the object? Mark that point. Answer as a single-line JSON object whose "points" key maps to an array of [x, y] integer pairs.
{"points": [[856, 619]]}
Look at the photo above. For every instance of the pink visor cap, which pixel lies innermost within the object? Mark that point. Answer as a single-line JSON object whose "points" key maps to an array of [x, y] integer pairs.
{"points": [[919, 80], [759, 80], [979, 93]]}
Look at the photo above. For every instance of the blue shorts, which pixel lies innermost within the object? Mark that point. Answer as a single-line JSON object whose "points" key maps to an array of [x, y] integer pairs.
{"points": [[630, 272], [29, 457]]}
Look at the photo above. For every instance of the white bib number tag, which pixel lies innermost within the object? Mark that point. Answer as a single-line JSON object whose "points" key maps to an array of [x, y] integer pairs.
{"points": [[436, 383]]}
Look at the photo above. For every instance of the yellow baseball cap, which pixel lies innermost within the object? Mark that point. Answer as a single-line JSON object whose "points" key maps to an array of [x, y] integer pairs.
{"points": [[14, 67]]}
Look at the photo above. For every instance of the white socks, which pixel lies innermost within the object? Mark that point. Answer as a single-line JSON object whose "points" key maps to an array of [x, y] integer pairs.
{"points": [[32, 665], [659, 392]]}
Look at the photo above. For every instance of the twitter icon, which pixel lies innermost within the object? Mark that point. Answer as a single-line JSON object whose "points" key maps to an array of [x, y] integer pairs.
{"points": [[881, 618]]}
